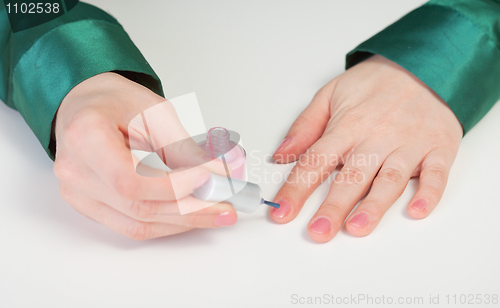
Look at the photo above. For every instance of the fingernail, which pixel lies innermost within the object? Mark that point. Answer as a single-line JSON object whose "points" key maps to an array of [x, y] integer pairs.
{"points": [[202, 179], [225, 219], [283, 144], [419, 205], [321, 225], [282, 211], [360, 220]]}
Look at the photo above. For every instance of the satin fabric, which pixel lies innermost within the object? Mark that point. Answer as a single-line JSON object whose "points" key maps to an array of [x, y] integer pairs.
{"points": [[456, 56], [39, 66]]}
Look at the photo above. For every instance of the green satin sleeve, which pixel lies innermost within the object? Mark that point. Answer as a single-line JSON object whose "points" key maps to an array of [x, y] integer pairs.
{"points": [[39, 66], [453, 46]]}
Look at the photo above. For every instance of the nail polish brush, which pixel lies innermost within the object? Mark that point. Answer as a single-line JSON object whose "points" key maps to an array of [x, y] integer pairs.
{"points": [[244, 196]]}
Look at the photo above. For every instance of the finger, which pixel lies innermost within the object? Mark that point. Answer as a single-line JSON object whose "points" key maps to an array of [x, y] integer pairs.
{"points": [[310, 171], [307, 128], [130, 227], [432, 182], [349, 186], [111, 159], [87, 183], [387, 187], [210, 216], [119, 222]]}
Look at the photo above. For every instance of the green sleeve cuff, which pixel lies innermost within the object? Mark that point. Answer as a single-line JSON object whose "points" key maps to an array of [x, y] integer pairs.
{"points": [[47, 61], [447, 51]]}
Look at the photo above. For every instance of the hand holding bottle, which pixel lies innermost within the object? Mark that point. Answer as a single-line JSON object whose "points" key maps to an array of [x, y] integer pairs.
{"points": [[96, 169]]}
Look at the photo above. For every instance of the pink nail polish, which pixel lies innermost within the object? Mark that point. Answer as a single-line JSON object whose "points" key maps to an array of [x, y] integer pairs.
{"points": [[360, 220], [419, 205], [283, 144], [321, 225], [225, 219], [283, 210]]}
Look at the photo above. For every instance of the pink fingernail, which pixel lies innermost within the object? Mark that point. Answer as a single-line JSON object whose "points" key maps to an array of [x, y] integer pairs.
{"points": [[419, 205], [283, 210], [360, 220], [321, 225], [225, 219], [283, 143], [202, 179]]}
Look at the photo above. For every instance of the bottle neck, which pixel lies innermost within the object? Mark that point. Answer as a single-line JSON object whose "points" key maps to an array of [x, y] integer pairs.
{"points": [[219, 141]]}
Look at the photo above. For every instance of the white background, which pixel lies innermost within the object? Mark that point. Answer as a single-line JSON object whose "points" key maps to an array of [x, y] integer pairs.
{"points": [[254, 66]]}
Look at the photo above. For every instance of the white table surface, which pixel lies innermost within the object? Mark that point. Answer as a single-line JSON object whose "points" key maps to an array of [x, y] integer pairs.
{"points": [[254, 66]]}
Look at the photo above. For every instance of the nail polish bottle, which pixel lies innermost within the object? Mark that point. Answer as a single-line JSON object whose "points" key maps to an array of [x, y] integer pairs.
{"points": [[219, 145]]}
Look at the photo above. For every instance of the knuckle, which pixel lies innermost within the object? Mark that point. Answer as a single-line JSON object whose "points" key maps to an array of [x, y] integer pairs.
{"points": [[144, 209], [66, 171], [196, 220], [310, 161], [335, 209], [301, 120], [140, 231], [444, 137], [433, 191], [81, 124], [391, 175], [63, 170], [351, 175], [435, 171], [126, 187], [385, 124], [350, 119]]}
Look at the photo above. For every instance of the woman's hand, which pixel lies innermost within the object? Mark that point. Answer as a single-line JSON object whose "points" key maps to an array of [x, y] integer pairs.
{"points": [[97, 172], [384, 126]]}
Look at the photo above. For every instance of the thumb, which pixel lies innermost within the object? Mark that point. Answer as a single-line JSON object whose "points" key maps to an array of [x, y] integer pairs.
{"points": [[307, 128]]}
